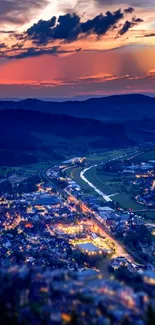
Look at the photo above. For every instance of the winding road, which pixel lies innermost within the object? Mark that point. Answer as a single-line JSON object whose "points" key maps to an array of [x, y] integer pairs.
{"points": [[106, 197], [83, 177]]}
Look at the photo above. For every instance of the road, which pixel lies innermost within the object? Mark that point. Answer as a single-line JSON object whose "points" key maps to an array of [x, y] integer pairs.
{"points": [[106, 197], [120, 250]]}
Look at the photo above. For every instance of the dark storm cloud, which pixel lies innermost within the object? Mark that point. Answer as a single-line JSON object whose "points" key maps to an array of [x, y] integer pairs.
{"points": [[42, 30], [65, 29], [129, 24], [146, 35], [133, 3], [18, 36], [129, 10], [3, 46], [31, 52], [149, 35], [17, 46], [6, 32], [101, 24], [69, 27], [19, 11]]}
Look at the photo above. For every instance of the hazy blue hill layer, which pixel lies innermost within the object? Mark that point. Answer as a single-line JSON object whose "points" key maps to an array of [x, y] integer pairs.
{"points": [[30, 136], [124, 107], [32, 130]]}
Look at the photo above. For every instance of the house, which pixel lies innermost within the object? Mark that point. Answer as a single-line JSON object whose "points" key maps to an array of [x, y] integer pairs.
{"points": [[149, 277]]}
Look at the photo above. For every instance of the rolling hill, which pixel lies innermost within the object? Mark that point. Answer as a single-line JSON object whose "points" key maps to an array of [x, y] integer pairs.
{"points": [[114, 108], [28, 136]]}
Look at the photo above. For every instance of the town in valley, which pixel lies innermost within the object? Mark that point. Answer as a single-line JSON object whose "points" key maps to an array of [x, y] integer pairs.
{"points": [[71, 230]]}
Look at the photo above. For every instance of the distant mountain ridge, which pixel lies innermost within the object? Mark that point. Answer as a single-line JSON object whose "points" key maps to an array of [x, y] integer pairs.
{"points": [[118, 107], [32, 130]]}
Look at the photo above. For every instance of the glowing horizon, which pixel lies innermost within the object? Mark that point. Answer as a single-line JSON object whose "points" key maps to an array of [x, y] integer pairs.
{"points": [[82, 53]]}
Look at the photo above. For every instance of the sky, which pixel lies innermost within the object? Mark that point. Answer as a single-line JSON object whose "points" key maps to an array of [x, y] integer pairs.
{"points": [[76, 48]]}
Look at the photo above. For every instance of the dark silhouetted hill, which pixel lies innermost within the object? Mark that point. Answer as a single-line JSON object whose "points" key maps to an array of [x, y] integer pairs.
{"points": [[45, 136], [120, 107]]}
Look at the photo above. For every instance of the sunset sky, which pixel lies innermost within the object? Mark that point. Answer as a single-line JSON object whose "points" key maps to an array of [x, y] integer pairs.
{"points": [[81, 48]]}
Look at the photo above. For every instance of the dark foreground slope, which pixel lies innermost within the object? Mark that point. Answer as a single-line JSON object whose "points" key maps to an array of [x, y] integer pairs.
{"points": [[38, 297], [28, 136], [135, 112]]}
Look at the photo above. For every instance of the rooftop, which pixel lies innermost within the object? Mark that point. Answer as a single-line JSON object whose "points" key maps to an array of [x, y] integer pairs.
{"points": [[47, 200], [89, 247]]}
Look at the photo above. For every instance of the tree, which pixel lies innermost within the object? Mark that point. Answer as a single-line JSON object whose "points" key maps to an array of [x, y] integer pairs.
{"points": [[6, 187], [150, 316], [126, 321]]}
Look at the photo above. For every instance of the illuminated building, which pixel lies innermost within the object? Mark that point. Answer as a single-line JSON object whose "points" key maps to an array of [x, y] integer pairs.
{"points": [[149, 278]]}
